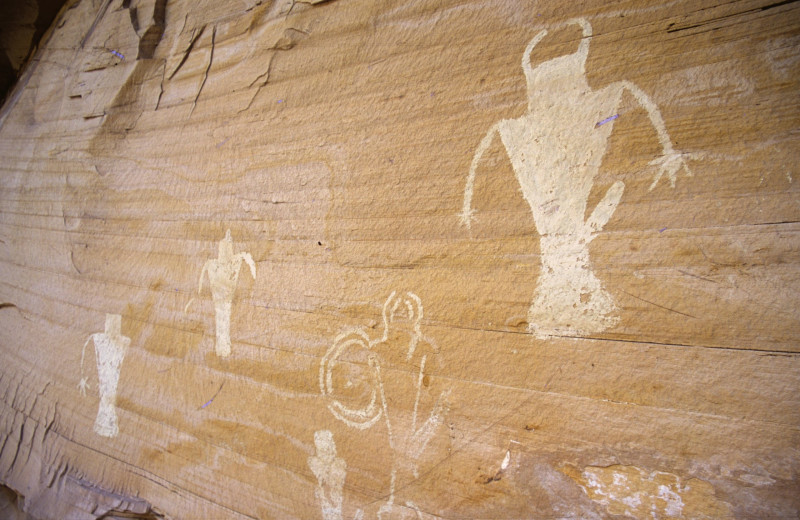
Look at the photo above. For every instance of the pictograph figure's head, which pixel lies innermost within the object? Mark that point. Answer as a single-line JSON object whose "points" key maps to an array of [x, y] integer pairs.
{"points": [[326, 448], [403, 312], [564, 71], [402, 315], [226, 246], [113, 325]]}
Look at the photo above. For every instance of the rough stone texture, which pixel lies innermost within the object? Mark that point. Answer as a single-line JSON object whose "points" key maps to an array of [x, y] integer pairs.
{"points": [[487, 281]]}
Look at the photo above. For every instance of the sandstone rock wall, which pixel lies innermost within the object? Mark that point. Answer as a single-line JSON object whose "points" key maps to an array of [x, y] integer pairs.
{"points": [[370, 259]]}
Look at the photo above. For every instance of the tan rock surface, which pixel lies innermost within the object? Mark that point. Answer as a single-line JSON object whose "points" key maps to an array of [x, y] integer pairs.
{"points": [[486, 260]]}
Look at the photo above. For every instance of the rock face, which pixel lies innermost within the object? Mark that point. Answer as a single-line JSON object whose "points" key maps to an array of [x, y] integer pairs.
{"points": [[434, 259]]}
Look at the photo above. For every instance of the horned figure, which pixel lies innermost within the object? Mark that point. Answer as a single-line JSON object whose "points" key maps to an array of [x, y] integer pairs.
{"points": [[223, 273], [366, 380], [330, 471], [109, 348], [556, 149]]}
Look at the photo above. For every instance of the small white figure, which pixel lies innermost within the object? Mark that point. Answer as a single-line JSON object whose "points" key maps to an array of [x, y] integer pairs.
{"points": [[330, 471], [223, 273], [556, 149], [110, 348]]}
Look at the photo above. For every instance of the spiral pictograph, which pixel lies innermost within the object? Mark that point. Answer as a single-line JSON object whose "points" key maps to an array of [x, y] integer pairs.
{"points": [[357, 416]]}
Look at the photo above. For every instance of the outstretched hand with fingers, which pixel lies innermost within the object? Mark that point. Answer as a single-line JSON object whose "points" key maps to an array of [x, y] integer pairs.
{"points": [[83, 385], [669, 164]]}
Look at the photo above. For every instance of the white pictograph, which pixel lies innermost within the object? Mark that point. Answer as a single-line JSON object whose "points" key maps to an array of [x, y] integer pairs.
{"points": [[110, 348], [556, 149], [223, 273], [330, 471], [365, 380]]}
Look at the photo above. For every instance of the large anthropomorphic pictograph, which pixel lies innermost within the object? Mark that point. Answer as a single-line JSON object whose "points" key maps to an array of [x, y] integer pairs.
{"points": [[556, 149]]}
